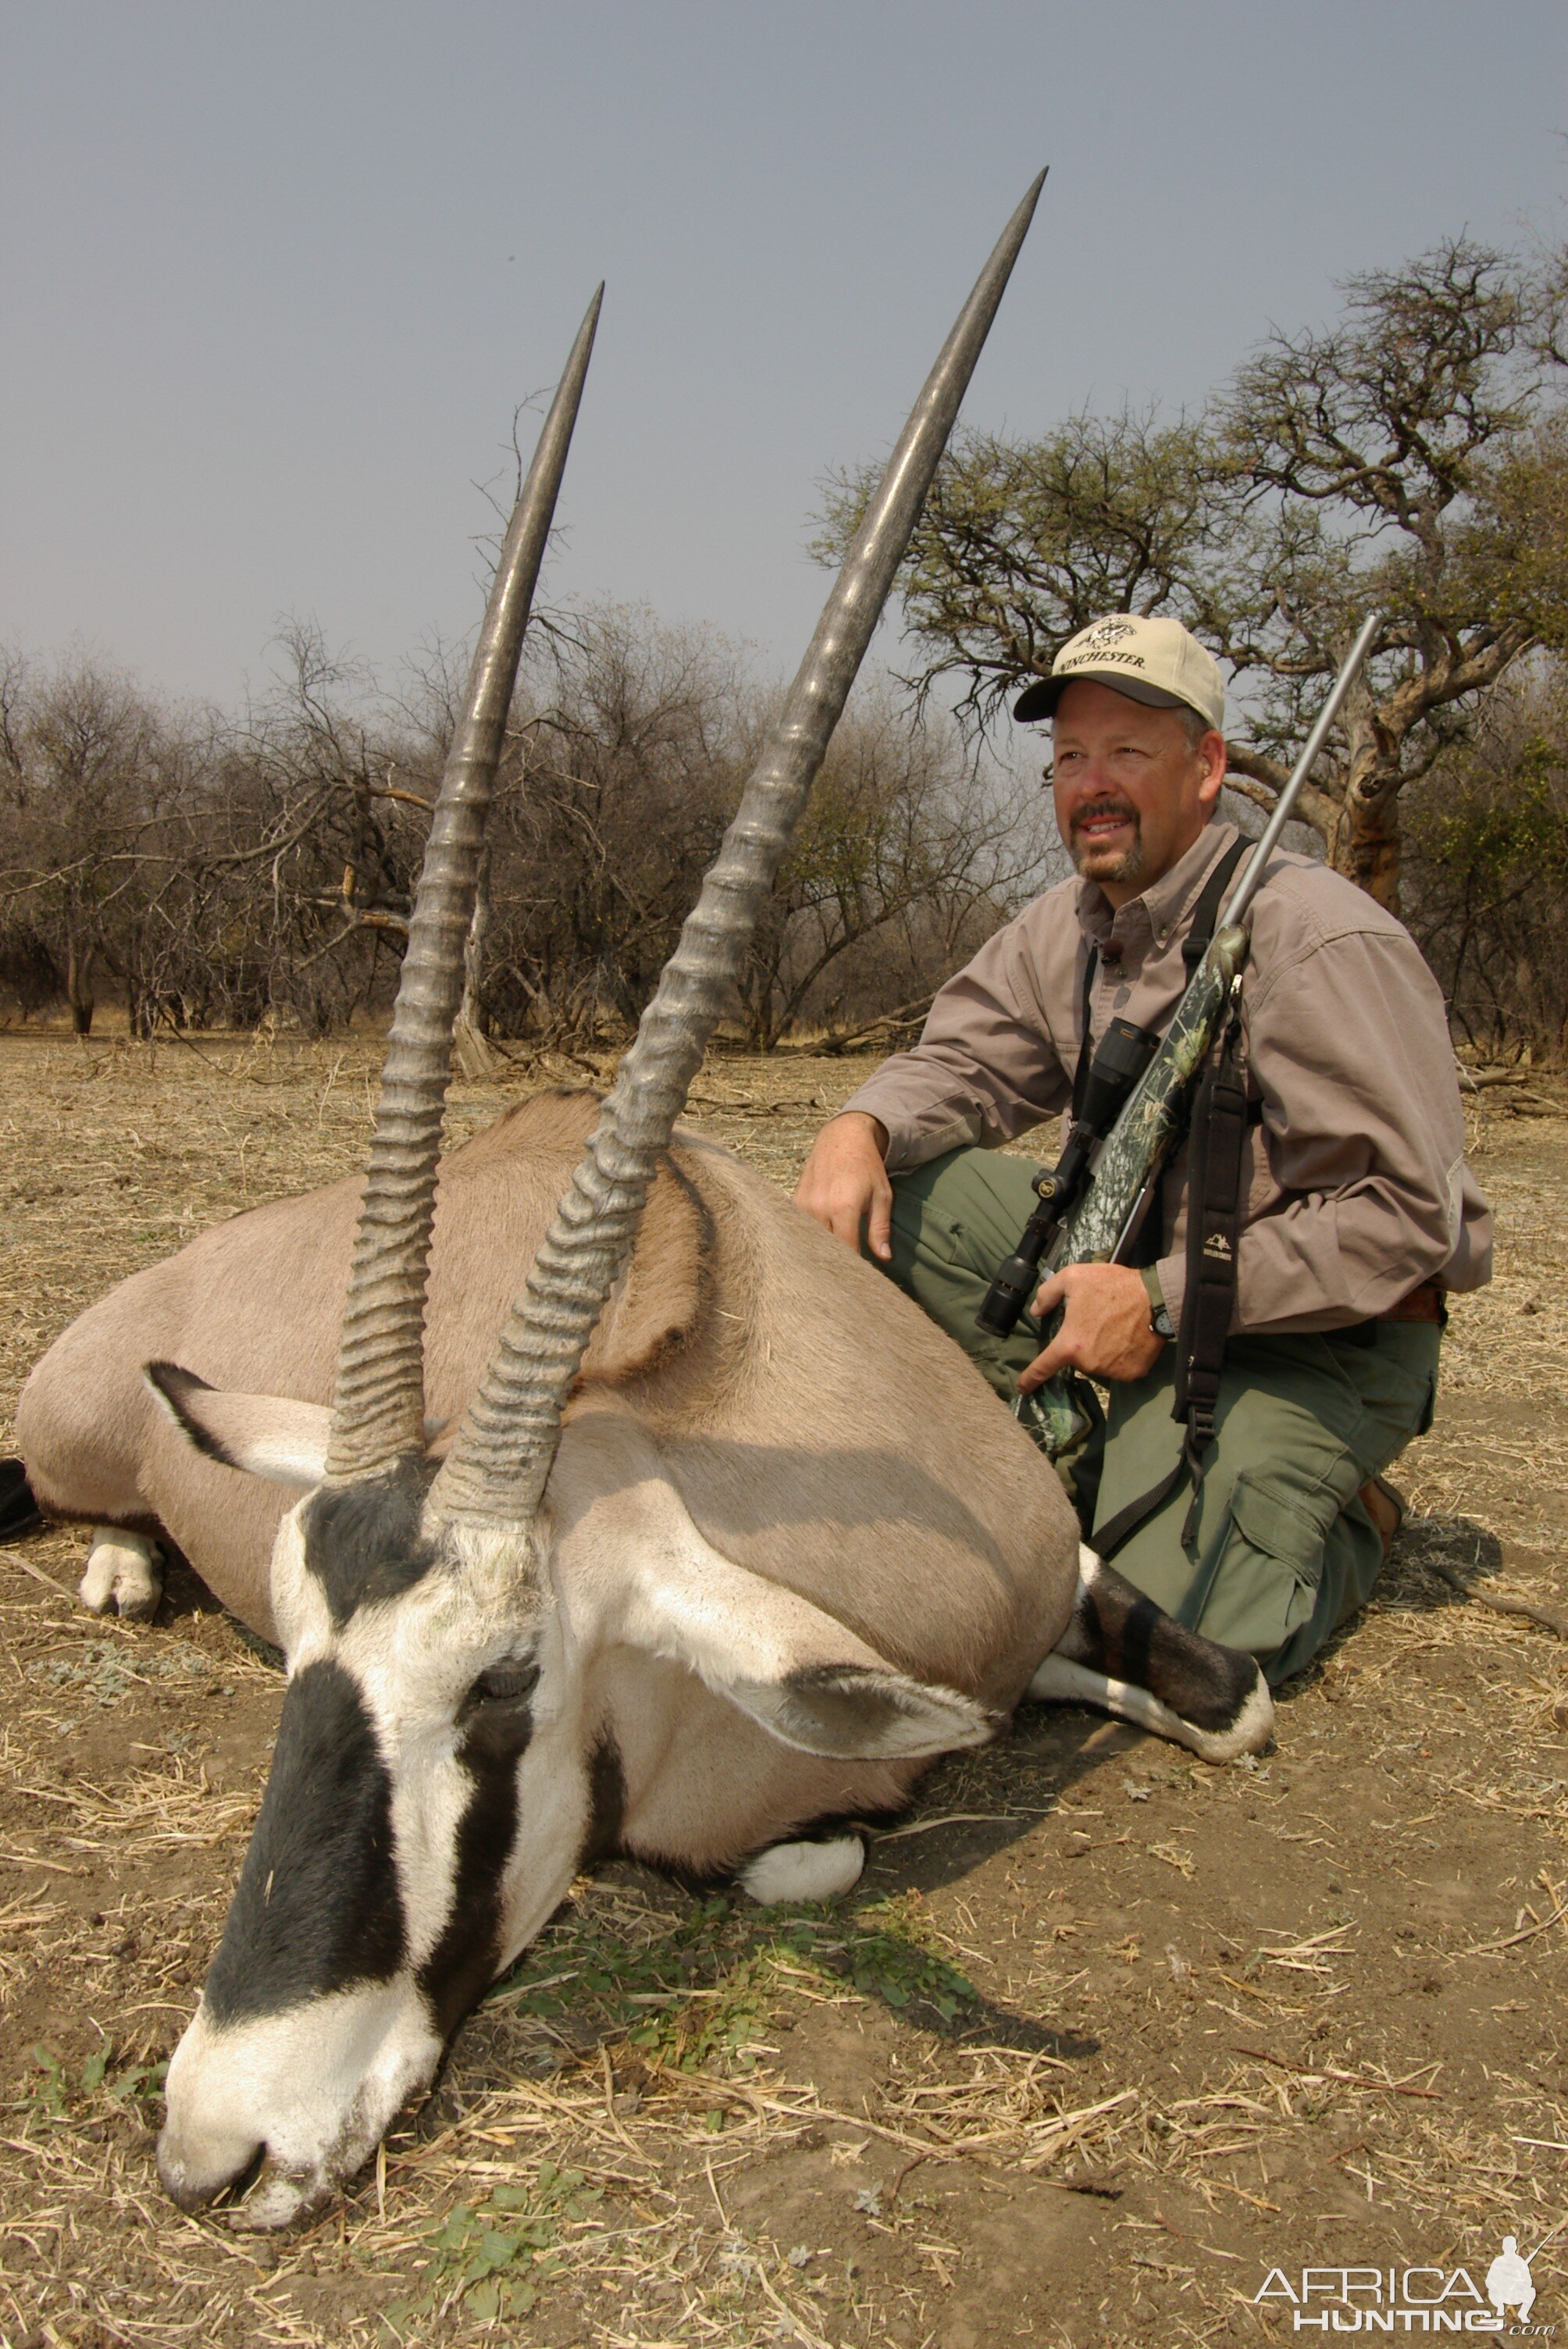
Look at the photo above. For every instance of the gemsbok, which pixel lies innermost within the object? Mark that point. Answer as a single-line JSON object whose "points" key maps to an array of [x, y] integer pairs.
{"points": [[694, 1551]]}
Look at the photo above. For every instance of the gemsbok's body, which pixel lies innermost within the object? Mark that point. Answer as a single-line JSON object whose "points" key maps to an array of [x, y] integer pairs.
{"points": [[812, 1424], [719, 1540]]}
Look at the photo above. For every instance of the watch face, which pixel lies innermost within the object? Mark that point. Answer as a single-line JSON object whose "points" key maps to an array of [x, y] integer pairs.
{"points": [[1159, 1321]]}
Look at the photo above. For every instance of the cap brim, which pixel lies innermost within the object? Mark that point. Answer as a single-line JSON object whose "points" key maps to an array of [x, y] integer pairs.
{"points": [[1039, 699]]}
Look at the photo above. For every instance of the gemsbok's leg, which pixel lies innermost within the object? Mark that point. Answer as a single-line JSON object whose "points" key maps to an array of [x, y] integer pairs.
{"points": [[124, 1575], [1124, 1655], [804, 1871]]}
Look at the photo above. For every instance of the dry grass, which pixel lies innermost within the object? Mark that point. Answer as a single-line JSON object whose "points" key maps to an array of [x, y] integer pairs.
{"points": [[1103, 2037]]}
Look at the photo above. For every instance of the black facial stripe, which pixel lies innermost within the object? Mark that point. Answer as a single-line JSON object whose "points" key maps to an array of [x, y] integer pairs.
{"points": [[318, 1906], [362, 1542], [466, 1957]]}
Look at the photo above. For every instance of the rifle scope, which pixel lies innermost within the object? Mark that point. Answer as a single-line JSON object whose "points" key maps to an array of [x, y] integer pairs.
{"points": [[1115, 1068]]}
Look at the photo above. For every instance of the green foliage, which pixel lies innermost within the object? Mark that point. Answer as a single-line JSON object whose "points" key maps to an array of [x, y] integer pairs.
{"points": [[494, 2255], [1487, 871], [107, 1671], [695, 1996], [58, 2094], [1517, 839]]}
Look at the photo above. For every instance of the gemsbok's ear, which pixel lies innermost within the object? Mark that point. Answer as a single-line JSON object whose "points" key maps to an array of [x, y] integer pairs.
{"points": [[270, 1436], [791, 1666]]}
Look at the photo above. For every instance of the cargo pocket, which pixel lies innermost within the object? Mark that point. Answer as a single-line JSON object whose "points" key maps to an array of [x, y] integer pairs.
{"points": [[1261, 1581]]}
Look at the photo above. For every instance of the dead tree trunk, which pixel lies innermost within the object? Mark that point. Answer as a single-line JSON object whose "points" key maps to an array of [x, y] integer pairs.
{"points": [[470, 1048], [79, 960]]}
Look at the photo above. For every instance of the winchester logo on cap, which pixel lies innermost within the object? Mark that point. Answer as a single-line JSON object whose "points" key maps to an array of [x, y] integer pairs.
{"points": [[1154, 660]]}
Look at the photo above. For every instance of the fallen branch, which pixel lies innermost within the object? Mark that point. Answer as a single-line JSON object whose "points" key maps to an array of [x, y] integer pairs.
{"points": [[1499, 1606]]}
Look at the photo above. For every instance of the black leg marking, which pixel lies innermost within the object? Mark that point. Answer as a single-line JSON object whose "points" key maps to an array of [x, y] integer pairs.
{"points": [[317, 1907], [1119, 1631]]}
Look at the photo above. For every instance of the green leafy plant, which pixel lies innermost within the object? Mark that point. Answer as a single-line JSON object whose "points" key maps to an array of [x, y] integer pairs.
{"points": [[493, 2256], [58, 2091], [698, 1995]]}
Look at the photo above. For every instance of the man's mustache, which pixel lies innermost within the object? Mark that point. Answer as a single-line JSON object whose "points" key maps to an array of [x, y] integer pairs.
{"points": [[1093, 809]]}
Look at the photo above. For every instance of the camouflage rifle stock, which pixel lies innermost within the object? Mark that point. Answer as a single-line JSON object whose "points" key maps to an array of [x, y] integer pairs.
{"points": [[1121, 1188]]}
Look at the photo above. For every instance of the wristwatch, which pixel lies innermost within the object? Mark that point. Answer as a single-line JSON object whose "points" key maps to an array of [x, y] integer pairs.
{"points": [[1160, 1320]]}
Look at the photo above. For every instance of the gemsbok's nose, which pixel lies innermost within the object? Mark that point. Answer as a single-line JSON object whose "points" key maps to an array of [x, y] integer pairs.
{"points": [[195, 2166]]}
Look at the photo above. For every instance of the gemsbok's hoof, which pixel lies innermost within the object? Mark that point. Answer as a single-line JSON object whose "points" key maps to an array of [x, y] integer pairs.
{"points": [[124, 1577], [804, 1871]]}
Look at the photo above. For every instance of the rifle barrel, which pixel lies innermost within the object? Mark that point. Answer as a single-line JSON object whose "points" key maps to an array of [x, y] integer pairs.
{"points": [[1252, 877]]}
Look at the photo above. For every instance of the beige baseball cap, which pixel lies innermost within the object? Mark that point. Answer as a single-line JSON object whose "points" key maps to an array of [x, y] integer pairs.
{"points": [[1154, 660]]}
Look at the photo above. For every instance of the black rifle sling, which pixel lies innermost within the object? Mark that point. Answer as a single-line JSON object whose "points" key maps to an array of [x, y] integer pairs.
{"points": [[1216, 1168], [1085, 1047], [1213, 1230]]}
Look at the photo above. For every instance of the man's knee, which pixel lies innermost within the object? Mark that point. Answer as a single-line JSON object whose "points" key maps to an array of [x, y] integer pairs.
{"points": [[953, 1220]]}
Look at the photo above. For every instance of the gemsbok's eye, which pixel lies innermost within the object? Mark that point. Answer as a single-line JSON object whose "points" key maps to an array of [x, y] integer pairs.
{"points": [[504, 1684]]}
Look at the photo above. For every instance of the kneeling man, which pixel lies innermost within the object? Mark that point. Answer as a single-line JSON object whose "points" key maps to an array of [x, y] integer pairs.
{"points": [[1357, 1214]]}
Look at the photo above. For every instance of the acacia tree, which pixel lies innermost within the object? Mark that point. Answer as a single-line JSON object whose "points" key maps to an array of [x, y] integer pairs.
{"points": [[1411, 459], [1486, 868], [202, 870]]}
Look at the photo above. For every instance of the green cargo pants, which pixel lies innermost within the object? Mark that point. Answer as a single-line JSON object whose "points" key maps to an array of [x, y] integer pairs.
{"points": [[1281, 1551]]}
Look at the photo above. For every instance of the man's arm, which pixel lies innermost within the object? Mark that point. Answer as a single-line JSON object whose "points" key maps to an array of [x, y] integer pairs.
{"points": [[845, 1182], [986, 1068], [1348, 1043]]}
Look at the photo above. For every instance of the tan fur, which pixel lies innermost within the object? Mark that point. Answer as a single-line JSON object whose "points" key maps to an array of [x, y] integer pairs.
{"points": [[818, 1428]]}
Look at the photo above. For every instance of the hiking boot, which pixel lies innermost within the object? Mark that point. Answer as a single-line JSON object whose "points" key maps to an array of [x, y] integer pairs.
{"points": [[1386, 1509]]}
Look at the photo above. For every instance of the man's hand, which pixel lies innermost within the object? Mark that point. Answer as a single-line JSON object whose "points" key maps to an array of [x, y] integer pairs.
{"points": [[1104, 1329], [845, 1182]]}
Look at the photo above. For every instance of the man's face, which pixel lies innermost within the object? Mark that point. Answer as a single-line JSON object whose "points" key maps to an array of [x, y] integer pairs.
{"points": [[1131, 791]]}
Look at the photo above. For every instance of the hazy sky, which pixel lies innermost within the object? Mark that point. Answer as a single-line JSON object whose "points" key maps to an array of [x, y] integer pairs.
{"points": [[275, 276]]}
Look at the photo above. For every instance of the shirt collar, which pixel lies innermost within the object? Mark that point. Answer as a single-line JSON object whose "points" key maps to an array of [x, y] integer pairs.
{"points": [[1164, 905]]}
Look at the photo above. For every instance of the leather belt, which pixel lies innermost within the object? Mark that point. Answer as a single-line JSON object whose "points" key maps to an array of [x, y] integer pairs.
{"points": [[1423, 1303]]}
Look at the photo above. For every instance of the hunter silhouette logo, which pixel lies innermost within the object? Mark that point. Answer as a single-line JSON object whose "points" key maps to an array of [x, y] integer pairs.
{"points": [[1508, 2281], [1109, 632], [1411, 2299]]}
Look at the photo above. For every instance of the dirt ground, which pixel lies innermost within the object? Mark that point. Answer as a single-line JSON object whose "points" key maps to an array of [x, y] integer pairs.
{"points": [[1103, 2038]]}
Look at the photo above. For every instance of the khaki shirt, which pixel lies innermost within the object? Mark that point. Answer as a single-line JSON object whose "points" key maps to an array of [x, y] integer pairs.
{"points": [[1358, 1188]]}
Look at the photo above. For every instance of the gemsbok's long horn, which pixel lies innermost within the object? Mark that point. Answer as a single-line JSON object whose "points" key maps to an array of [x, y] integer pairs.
{"points": [[497, 1468], [377, 1415]]}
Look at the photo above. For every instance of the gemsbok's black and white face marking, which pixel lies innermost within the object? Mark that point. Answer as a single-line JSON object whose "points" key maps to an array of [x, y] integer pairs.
{"points": [[428, 1714], [444, 1764]]}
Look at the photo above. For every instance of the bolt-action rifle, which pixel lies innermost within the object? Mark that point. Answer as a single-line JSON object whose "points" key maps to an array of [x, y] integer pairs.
{"points": [[1091, 1216]]}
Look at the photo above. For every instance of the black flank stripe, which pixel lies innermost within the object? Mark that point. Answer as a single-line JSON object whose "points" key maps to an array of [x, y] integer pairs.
{"points": [[317, 1907], [606, 1805]]}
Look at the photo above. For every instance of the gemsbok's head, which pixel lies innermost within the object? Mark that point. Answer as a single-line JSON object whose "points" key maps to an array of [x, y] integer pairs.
{"points": [[437, 1778]]}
